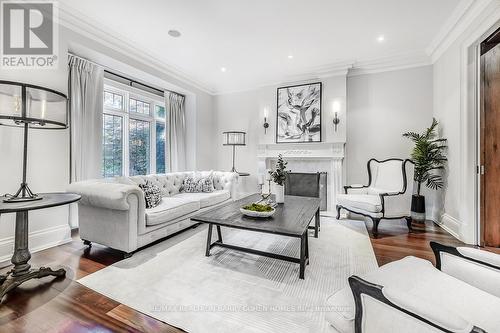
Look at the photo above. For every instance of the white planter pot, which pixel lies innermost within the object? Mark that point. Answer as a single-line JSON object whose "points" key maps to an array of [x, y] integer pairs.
{"points": [[280, 193]]}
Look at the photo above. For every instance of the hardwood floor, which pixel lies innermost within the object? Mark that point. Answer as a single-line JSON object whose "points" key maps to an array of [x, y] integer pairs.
{"points": [[66, 306]]}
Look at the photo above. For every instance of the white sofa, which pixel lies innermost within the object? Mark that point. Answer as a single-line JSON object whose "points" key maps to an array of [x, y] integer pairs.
{"points": [[410, 295], [113, 212]]}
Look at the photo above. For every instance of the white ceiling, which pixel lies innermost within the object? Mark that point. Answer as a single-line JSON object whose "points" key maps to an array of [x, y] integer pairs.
{"points": [[253, 38]]}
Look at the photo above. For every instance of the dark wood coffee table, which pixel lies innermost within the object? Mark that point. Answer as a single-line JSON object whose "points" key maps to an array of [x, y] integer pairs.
{"points": [[291, 219]]}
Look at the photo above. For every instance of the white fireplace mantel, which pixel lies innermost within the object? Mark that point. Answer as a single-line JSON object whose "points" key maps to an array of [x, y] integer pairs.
{"points": [[323, 150], [308, 157]]}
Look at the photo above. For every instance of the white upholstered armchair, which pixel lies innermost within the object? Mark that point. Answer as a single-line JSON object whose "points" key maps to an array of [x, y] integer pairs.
{"points": [[410, 295], [385, 197]]}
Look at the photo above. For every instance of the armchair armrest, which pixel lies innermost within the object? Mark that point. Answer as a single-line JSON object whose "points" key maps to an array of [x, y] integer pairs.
{"points": [[395, 204], [388, 309], [478, 268], [355, 189], [106, 195]]}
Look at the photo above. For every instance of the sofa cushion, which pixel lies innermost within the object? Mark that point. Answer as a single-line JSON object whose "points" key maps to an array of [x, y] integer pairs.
{"points": [[419, 278], [170, 209], [206, 199], [366, 202]]}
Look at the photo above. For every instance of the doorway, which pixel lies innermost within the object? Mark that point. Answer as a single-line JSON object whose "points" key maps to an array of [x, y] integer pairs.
{"points": [[490, 141]]}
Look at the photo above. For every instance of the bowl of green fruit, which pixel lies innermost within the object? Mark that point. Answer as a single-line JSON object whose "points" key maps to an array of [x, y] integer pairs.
{"points": [[257, 210]]}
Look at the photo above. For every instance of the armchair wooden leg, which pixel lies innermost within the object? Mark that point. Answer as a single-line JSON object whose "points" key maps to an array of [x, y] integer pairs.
{"points": [[338, 211], [375, 221], [408, 223]]}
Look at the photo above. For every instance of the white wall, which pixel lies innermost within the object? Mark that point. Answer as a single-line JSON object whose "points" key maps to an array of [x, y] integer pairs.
{"points": [[455, 108], [381, 107], [48, 157], [245, 111]]}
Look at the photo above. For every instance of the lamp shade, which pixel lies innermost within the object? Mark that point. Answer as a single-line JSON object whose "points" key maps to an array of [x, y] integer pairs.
{"points": [[36, 106], [233, 138]]}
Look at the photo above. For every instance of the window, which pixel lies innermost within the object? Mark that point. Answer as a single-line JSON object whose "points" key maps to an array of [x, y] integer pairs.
{"points": [[139, 139], [160, 147], [113, 100], [112, 142], [139, 106], [134, 132]]}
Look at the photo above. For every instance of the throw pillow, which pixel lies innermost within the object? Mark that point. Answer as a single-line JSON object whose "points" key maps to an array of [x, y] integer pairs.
{"points": [[189, 185], [152, 194], [207, 184], [195, 185]]}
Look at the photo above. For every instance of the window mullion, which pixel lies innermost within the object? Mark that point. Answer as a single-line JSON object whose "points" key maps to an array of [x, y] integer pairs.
{"points": [[126, 139], [152, 146]]}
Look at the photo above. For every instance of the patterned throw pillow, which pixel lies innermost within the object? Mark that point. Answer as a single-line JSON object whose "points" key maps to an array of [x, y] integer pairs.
{"points": [[152, 194], [195, 185]]}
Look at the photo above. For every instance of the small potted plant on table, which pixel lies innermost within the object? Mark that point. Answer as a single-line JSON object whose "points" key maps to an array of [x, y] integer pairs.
{"points": [[428, 156], [278, 176]]}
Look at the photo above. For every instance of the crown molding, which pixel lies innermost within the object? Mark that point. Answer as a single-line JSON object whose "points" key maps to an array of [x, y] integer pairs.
{"points": [[335, 69], [346, 68], [390, 63], [463, 15], [80, 23]]}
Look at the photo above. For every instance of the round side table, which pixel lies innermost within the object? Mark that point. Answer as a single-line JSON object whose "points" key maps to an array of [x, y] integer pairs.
{"points": [[22, 272]]}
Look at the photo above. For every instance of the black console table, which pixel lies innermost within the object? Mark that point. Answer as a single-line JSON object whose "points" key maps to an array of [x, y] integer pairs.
{"points": [[22, 271]]}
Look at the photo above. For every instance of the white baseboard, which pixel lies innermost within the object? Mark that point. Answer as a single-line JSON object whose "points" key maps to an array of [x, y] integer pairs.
{"points": [[37, 241], [451, 225]]}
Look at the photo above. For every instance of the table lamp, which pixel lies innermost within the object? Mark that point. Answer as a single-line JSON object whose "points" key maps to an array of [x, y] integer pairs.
{"points": [[235, 138], [29, 106]]}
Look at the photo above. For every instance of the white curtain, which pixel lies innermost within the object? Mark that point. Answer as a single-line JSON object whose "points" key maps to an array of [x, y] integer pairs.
{"points": [[177, 131], [86, 104]]}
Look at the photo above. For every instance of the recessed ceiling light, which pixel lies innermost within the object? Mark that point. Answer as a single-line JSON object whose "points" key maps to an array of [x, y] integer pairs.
{"points": [[380, 38], [223, 69], [174, 33], [290, 56]]}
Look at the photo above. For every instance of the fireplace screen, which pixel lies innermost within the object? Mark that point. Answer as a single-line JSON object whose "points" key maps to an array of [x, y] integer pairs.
{"points": [[308, 185]]}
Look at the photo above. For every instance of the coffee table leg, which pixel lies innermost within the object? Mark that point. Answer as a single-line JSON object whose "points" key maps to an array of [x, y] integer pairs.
{"points": [[209, 240], [219, 233], [316, 224], [307, 248], [302, 255]]}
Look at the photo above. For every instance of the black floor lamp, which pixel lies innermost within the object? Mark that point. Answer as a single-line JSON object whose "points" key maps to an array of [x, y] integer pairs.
{"points": [[29, 106], [235, 138]]}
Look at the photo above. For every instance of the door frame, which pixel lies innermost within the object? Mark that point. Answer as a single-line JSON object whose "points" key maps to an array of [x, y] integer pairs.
{"points": [[480, 138]]}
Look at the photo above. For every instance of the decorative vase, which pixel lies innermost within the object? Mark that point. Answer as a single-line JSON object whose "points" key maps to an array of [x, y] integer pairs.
{"points": [[418, 208], [279, 193]]}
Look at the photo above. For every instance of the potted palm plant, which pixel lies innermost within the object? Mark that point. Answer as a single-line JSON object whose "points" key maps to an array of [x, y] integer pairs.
{"points": [[279, 176], [429, 158]]}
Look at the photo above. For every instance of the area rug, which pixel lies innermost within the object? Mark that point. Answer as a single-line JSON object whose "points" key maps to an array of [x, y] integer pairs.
{"points": [[231, 291]]}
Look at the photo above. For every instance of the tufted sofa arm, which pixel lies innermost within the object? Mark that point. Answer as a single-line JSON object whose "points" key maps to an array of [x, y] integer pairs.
{"points": [[99, 193], [226, 181]]}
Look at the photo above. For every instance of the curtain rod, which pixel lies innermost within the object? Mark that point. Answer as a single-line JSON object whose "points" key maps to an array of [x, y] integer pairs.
{"points": [[124, 76]]}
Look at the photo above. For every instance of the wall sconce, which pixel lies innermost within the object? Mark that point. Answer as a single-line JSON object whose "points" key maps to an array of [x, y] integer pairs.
{"points": [[266, 124], [336, 110]]}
